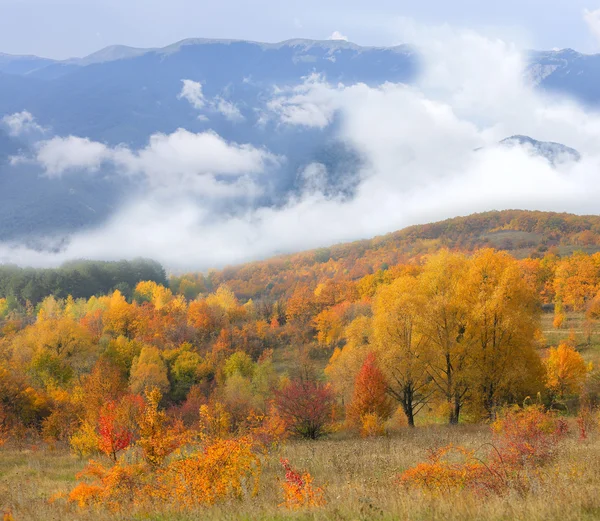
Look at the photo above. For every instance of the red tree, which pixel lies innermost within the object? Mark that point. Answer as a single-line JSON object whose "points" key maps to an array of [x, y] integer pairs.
{"points": [[114, 436], [370, 394], [306, 407]]}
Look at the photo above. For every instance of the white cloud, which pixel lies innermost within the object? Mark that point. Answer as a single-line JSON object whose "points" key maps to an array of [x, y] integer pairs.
{"points": [[179, 162], [21, 123], [59, 155], [190, 161], [192, 92], [336, 35], [592, 19], [312, 104], [229, 110]]}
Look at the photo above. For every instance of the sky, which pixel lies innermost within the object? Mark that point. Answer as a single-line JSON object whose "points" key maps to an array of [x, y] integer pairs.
{"points": [[68, 28]]}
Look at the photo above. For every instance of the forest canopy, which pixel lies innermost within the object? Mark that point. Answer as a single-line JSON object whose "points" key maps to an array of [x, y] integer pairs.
{"points": [[79, 279]]}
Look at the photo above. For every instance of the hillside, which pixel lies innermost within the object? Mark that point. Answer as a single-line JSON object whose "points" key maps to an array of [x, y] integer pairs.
{"points": [[522, 233]]}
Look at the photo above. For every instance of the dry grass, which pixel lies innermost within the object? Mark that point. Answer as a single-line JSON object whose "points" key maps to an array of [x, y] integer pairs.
{"points": [[358, 476]]}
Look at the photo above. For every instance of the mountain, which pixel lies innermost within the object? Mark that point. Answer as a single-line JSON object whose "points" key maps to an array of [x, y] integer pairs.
{"points": [[553, 152], [568, 72], [521, 233], [11, 64], [123, 95]]}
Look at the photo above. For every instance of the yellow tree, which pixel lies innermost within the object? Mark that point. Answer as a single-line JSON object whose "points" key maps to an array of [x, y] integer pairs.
{"points": [[444, 320], [400, 345], [577, 280], [54, 350], [503, 317], [345, 363], [149, 371], [566, 370]]}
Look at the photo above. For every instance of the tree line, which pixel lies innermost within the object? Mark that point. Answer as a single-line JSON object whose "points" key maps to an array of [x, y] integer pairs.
{"points": [[79, 279]]}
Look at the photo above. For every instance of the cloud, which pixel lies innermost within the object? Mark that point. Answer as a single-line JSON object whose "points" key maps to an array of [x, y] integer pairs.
{"points": [[59, 155], [191, 161], [419, 165], [182, 162], [21, 123], [311, 104], [336, 35], [592, 19], [192, 92], [229, 110]]}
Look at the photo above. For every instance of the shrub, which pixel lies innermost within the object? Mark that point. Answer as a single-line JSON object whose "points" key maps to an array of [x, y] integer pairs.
{"points": [[527, 436], [306, 407], [298, 489]]}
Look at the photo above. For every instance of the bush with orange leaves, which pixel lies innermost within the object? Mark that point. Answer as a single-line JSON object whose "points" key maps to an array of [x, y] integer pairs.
{"points": [[267, 431], [222, 469], [528, 436], [524, 441], [298, 489], [453, 468], [176, 468], [111, 487]]}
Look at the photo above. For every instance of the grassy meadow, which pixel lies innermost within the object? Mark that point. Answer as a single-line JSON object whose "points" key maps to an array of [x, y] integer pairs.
{"points": [[359, 478]]}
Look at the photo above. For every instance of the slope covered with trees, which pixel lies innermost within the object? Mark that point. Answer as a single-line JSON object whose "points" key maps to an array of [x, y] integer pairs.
{"points": [[79, 279], [521, 233]]}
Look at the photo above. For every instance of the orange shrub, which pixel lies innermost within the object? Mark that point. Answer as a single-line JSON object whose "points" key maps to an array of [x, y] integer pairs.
{"points": [[453, 468], [524, 440], [224, 469], [528, 436], [298, 489], [111, 487]]}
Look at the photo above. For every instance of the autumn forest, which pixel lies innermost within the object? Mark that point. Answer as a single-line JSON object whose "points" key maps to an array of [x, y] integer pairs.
{"points": [[450, 370]]}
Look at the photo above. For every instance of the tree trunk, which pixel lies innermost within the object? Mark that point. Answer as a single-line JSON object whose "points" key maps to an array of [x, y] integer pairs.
{"points": [[407, 405], [455, 411]]}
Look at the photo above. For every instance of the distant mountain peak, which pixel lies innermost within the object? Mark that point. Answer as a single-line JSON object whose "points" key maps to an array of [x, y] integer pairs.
{"points": [[110, 53], [553, 152]]}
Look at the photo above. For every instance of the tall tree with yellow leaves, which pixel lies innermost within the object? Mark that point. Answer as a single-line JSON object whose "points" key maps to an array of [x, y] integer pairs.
{"points": [[444, 322], [503, 317], [400, 346]]}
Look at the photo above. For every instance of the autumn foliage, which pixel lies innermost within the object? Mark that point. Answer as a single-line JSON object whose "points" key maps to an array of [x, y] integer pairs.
{"points": [[371, 405], [525, 440], [299, 490], [177, 394], [306, 407]]}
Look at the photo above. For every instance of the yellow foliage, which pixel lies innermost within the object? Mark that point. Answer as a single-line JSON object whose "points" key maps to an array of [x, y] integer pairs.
{"points": [[157, 439], [566, 370], [84, 441], [371, 425], [224, 469], [215, 421]]}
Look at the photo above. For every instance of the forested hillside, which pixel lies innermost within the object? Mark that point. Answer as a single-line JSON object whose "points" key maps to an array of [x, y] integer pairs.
{"points": [[78, 279], [522, 233]]}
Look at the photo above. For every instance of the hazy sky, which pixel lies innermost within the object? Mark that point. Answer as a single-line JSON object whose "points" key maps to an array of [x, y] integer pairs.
{"points": [[65, 28]]}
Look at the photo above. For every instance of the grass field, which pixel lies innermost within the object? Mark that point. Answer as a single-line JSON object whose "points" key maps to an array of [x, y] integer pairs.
{"points": [[358, 477]]}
